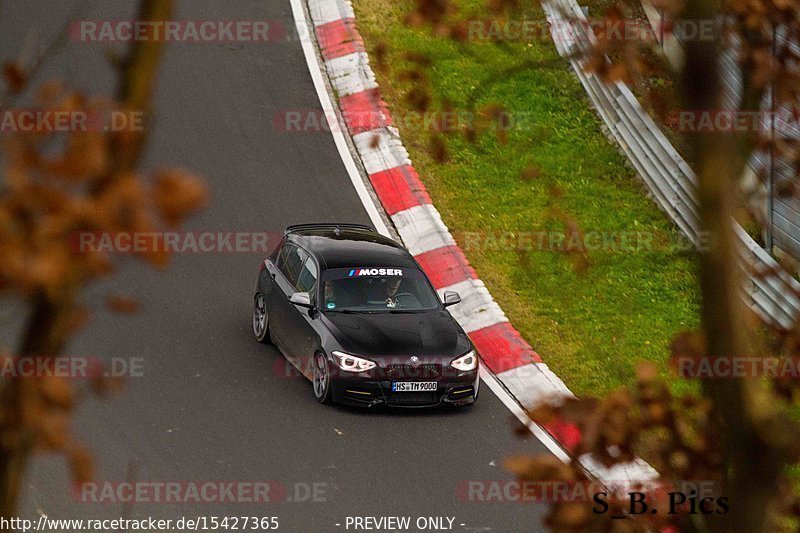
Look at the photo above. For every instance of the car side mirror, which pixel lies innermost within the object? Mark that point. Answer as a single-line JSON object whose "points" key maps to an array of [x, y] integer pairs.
{"points": [[303, 299], [451, 298]]}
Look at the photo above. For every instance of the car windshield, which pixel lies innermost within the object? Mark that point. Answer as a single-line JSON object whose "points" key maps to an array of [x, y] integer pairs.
{"points": [[375, 290]]}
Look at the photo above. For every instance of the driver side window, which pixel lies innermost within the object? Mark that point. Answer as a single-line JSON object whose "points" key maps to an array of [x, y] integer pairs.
{"points": [[307, 279], [290, 262]]}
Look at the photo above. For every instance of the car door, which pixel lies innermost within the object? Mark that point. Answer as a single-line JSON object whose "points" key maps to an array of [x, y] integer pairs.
{"points": [[302, 337], [280, 309]]}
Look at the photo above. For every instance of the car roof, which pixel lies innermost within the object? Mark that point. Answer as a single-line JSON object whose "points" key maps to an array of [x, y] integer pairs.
{"points": [[347, 247]]}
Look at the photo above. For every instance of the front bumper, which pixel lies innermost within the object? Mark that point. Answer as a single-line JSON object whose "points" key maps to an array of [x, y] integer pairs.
{"points": [[375, 388]]}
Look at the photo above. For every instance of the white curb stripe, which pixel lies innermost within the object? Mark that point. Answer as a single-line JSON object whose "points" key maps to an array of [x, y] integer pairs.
{"points": [[477, 309], [621, 475], [534, 383], [351, 74], [422, 229], [325, 11], [381, 149]]}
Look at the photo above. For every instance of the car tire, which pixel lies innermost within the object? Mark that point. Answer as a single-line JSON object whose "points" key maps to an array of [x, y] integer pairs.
{"points": [[260, 319], [321, 380]]}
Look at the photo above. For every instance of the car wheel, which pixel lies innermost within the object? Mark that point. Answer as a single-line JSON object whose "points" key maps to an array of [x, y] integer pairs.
{"points": [[260, 319], [321, 379]]}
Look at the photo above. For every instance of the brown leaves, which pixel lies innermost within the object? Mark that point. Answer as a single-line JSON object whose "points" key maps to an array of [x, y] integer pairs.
{"points": [[687, 344], [380, 56], [548, 469], [122, 304], [678, 436], [54, 198], [653, 395], [65, 182], [531, 174], [438, 149], [65, 188], [15, 77], [178, 194], [572, 511], [498, 7], [85, 158], [433, 12], [81, 465], [418, 99], [540, 467]]}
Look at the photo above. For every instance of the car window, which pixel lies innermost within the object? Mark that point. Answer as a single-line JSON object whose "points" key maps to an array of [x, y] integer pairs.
{"points": [[280, 261], [371, 290], [290, 262], [307, 279]]}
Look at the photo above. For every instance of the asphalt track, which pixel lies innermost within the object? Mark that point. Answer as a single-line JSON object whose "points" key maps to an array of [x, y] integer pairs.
{"points": [[209, 404]]}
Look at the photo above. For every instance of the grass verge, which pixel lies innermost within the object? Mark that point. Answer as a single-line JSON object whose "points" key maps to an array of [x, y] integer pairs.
{"points": [[591, 315]]}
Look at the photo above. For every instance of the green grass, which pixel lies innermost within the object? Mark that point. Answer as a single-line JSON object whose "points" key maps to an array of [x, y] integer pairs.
{"points": [[591, 325]]}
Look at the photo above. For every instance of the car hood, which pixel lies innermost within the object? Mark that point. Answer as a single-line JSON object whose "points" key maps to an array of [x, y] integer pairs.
{"points": [[393, 334]]}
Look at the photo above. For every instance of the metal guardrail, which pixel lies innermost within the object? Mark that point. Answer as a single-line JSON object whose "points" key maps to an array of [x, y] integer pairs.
{"points": [[782, 210], [769, 291], [785, 216]]}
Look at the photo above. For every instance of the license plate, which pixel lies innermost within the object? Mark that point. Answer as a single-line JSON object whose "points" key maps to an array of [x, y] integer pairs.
{"points": [[413, 386]]}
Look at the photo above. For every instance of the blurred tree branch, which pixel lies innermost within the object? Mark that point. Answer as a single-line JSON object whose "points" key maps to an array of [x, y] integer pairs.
{"points": [[754, 463], [24, 70], [91, 186]]}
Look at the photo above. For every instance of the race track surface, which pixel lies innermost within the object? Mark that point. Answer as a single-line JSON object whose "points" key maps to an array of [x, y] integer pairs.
{"points": [[210, 404]]}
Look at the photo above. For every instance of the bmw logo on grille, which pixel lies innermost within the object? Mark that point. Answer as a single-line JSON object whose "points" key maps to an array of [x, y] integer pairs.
{"points": [[414, 359]]}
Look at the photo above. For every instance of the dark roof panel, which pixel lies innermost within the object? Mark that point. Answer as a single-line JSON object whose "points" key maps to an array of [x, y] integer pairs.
{"points": [[349, 247]]}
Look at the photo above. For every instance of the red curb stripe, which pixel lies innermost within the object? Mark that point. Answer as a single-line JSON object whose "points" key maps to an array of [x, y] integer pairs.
{"points": [[399, 188], [503, 348], [339, 38], [365, 111], [446, 266], [566, 433]]}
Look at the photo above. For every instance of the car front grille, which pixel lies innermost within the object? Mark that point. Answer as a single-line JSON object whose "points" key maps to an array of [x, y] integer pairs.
{"points": [[411, 372], [413, 398]]}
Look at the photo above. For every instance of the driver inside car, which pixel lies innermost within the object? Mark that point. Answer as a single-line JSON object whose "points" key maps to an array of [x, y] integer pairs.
{"points": [[392, 287]]}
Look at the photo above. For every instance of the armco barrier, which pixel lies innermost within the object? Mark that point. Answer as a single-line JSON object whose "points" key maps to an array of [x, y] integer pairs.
{"points": [[769, 291]]}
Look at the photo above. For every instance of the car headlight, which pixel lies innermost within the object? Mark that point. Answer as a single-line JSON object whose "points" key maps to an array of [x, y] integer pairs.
{"points": [[351, 363], [468, 361]]}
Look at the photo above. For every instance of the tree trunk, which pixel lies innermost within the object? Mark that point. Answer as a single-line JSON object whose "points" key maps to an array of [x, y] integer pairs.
{"points": [[753, 465]]}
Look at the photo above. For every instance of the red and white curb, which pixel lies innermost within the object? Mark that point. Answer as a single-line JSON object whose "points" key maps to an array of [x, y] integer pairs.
{"points": [[405, 200]]}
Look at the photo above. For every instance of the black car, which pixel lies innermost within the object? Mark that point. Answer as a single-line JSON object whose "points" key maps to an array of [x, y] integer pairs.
{"points": [[353, 311]]}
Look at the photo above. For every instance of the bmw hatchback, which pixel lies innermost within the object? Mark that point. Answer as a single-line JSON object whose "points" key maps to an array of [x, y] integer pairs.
{"points": [[354, 312]]}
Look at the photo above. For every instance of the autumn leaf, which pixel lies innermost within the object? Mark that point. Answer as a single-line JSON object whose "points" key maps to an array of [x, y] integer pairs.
{"points": [[81, 465], [177, 194], [15, 77], [122, 304]]}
